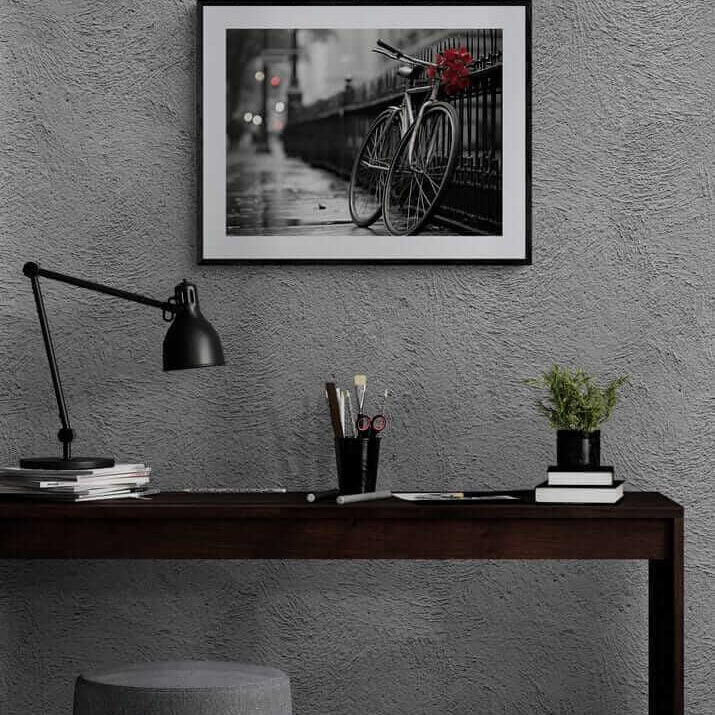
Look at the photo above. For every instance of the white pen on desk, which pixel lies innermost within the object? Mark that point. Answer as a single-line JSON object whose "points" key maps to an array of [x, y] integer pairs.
{"points": [[367, 496]]}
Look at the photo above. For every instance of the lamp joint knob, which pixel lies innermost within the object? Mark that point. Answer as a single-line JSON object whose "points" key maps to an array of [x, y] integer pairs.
{"points": [[66, 434]]}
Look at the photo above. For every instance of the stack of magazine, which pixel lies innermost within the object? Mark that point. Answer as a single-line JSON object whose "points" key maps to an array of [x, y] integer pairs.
{"points": [[66, 485], [575, 485]]}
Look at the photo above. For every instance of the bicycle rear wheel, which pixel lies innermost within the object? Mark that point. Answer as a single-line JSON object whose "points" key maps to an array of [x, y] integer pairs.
{"points": [[367, 181], [416, 184]]}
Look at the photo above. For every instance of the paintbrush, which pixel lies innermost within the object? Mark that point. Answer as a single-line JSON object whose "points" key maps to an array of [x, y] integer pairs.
{"points": [[360, 383], [349, 418], [341, 406], [334, 404]]}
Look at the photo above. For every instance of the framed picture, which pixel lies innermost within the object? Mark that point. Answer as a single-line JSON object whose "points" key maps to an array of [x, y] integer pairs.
{"points": [[361, 132]]}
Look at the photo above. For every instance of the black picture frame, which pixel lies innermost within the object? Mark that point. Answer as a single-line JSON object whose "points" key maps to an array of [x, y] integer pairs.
{"points": [[526, 259]]}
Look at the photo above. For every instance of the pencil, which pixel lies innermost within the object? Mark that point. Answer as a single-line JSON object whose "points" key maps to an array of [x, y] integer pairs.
{"points": [[367, 496]]}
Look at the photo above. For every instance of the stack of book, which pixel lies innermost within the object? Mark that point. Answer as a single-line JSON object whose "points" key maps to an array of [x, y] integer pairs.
{"points": [[566, 485], [119, 481]]}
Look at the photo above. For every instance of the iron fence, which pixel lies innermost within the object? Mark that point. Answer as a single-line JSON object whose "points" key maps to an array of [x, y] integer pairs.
{"points": [[329, 133]]}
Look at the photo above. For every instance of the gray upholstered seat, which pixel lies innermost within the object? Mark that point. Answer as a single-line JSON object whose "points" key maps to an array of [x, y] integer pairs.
{"points": [[184, 688]]}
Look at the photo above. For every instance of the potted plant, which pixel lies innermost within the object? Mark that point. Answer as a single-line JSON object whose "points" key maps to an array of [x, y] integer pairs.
{"points": [[576, 407]]}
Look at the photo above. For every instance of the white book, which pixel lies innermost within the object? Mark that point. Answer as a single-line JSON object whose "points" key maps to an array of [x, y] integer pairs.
{"points": [[80, 496], [71, 474], [580, 477], [39, 483], [546, 494], [59, 487], [66, 492]]}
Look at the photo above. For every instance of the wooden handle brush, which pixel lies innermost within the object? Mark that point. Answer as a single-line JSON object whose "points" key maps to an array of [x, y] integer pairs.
{"points": [[334, 404]]}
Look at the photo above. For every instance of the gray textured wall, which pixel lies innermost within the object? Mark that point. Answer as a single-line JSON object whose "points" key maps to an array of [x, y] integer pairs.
{"points": [[97, 152]]}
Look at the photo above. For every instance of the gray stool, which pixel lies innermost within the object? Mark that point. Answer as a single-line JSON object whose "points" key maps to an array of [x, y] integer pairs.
{"points": [[184, 688]]}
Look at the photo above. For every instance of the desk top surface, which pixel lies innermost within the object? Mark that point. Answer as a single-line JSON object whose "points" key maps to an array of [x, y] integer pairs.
{"points": [[196, 505]]}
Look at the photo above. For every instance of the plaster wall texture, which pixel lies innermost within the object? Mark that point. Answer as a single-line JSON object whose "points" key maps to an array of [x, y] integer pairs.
{"points": [[97, 167]]}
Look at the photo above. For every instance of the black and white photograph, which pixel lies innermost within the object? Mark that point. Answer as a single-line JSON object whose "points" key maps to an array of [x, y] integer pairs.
{"points": [[317, 118], [383, 142]]}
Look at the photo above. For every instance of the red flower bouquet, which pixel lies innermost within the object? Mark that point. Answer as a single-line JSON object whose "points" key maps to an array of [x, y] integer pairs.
{"points": [[453, 66]]}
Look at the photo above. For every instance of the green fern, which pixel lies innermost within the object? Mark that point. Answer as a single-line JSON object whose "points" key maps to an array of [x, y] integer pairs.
{"points": [[574, 401]]}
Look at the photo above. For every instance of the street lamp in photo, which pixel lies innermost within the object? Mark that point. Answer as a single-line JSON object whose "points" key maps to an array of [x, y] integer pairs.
{"points": [[295, 96], [262, 145]]}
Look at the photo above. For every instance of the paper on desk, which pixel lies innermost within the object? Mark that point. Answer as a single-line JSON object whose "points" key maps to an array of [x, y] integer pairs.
{"points": [[450, 496]]}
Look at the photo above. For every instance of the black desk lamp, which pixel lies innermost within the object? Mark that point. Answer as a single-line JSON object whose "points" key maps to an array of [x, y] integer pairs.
{"points": [[190, 341]]}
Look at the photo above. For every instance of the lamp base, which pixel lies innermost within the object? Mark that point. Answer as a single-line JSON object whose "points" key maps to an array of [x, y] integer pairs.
{"points": [[76, 463]]}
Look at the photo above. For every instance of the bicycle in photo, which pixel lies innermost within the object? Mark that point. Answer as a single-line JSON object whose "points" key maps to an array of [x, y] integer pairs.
{"points": [[405, 162]]}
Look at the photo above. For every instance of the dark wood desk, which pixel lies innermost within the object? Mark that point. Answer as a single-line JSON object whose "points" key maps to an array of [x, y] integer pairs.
{"points": [[644, 525]]}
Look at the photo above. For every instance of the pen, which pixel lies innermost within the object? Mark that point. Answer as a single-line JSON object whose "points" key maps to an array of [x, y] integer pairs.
{"points": [[311, 497], [367, 496], [476, 496], [456, 496]]}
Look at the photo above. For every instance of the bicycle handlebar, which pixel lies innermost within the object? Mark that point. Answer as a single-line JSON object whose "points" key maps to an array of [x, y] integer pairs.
{"points": [[384, 54], [389, 48], [400, 55]]}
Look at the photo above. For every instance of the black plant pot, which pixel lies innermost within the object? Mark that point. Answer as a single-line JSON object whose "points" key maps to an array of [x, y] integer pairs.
{"points": [[578, 449]]}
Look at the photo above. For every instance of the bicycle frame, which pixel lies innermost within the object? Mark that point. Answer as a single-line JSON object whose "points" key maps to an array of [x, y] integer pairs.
{"points": [[406, 110], [407, 114]]}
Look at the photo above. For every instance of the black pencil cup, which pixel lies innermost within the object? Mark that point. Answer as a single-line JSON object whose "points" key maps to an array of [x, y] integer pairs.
{"points": [[357, 459]]}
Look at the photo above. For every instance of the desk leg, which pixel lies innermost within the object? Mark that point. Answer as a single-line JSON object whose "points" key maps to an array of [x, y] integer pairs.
{"points": [[665, 629]]}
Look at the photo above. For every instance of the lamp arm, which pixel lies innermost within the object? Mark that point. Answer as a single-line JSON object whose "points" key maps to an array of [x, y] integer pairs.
{"points": [[66, 434], [32, 269], [33, 272]]}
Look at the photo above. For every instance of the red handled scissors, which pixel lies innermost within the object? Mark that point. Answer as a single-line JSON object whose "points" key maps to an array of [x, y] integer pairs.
{"points": [[370, 427]]}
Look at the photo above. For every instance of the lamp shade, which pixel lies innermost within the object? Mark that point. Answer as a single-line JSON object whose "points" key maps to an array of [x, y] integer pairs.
{"points": [[191, 340]]}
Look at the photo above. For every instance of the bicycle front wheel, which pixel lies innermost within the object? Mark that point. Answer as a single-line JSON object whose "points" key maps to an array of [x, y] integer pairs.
{"points": [[369, 174], [417, 180]]}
